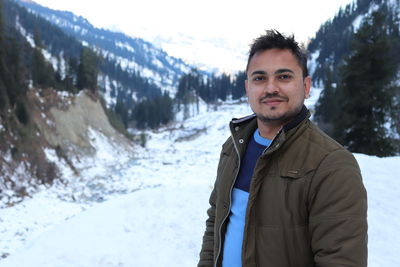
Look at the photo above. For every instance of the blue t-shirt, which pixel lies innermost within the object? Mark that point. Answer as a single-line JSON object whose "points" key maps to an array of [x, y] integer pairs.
{"points": [[232, 252]]}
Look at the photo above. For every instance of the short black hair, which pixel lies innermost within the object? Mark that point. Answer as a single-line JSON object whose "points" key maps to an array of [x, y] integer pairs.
{"points": [[274, 39]]}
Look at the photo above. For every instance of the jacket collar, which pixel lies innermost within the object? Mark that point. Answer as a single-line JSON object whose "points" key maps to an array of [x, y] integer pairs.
{"points": [[302, 115], [240, 120]]}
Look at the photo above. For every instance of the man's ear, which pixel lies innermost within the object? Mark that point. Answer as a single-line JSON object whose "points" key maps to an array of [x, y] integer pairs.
{"points": [[246, 86], [307, 86]]}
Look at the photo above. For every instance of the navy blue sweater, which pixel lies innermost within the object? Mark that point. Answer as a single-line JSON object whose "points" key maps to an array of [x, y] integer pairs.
{"points": [[232, 253]]}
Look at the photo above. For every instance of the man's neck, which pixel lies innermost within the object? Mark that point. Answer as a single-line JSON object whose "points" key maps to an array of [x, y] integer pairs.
{"points": [[268, 130]]}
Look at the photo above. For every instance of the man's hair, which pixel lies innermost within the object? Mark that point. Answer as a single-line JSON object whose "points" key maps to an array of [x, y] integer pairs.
{"points": [[274, 39]]}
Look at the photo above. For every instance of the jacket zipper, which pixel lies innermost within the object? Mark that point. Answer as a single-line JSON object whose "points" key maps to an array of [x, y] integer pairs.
{"points": [[230, 194], [272, 142], [230, 203]]}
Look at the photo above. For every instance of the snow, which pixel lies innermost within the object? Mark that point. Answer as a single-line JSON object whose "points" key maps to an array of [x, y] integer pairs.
{"points": [[157, 63], [383, 188], [312, 64], [105, 81], [29, 37], [17, 181], [125, 45], [65, 96], [48, 56], [313, 98], [227, 55], [63, 66], [149, 208], [80, 241], [357, 22], [360, 19], [163, 81]]}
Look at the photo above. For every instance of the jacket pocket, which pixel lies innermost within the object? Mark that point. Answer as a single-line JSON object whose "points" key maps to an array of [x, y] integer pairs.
{"points": [[292, 174]]}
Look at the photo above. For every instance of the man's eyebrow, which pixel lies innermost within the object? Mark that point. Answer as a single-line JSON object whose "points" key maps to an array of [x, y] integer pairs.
{"points": [[283, 71], [279, 71], [256, 72]]}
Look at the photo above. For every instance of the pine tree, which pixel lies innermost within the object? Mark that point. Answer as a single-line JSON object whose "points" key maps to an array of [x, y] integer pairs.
{"points": [[188, 91], [3, 96], [16, 67], [1, 31], [42, 72], [223, 86], [11, 70], [366, 91], [140, 115], [167, 112], [327, 106], [87, 70], [3, 90], [71, 75], [238, 90], [122, 111]]}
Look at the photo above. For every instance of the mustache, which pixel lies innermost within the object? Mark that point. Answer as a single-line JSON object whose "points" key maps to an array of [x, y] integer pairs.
{"points": [[274, 95]]}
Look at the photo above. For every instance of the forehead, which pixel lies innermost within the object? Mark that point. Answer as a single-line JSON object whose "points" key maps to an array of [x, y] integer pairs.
{"points": [[274, 59]]}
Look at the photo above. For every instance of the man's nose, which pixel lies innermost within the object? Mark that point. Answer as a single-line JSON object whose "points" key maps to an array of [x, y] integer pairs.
{"points": [[271, 87]]}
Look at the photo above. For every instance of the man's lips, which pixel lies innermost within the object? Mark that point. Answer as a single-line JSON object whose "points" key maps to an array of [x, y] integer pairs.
{"points": [[273, 100]]}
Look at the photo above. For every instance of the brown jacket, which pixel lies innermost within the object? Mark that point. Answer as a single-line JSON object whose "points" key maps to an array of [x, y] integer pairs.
{"points": [[307, 203]]}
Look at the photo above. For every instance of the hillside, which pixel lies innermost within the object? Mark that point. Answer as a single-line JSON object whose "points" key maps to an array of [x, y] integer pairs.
{"points": [[133, 54], [332, 41], [62, 49], [63, 126], [50, 105], [43, 74]]}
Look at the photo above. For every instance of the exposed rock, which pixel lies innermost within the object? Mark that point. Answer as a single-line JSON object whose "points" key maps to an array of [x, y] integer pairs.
{"points": [[58, 122], [68, 126]]}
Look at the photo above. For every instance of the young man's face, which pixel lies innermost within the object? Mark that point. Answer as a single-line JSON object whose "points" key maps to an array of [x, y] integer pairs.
{"points": [[275, 86]]}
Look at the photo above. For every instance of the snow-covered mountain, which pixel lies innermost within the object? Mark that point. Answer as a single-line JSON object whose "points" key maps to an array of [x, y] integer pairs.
{"points": [[133, 54], [222, 54]]}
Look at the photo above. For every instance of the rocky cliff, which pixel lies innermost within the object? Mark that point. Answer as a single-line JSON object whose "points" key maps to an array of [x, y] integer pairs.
{"points": [[59, 138]]}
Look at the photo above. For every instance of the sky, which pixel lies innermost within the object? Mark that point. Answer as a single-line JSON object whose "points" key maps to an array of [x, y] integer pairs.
{"points": [[219, 27]]}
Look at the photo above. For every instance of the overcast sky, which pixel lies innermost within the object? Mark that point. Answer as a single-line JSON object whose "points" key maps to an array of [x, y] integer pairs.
{"points": [[231, 21]]}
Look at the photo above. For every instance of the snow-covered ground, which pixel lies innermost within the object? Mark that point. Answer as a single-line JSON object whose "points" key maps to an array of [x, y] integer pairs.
{"points": [[159, 219]]}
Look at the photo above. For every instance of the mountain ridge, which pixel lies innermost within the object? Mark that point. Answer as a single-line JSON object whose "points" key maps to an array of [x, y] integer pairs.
{"points": [[132, 53]]}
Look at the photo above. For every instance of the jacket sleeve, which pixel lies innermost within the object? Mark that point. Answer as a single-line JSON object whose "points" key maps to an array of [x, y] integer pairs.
{"points": [[338, 212], [207, 250]]}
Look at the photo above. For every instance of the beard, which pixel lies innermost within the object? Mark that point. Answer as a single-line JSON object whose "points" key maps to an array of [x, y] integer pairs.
{"points": [[283, 118], [279, 117]]}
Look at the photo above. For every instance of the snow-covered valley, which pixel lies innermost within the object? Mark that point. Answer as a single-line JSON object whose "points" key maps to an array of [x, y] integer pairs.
{"points": [[152, 207]]}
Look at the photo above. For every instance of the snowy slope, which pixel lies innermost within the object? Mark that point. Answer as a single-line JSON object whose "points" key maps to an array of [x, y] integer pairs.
{"points": [[161, 223]]}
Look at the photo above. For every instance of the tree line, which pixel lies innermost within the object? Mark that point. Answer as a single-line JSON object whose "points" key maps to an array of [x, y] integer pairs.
{"points": [[193, 87]]}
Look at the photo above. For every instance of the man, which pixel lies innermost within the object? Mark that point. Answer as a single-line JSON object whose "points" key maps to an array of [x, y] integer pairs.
{"points": [[286, 194]]}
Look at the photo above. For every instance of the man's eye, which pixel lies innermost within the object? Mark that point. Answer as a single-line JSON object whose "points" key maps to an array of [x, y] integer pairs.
{"points": [[258, 78], [284, 77]]}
